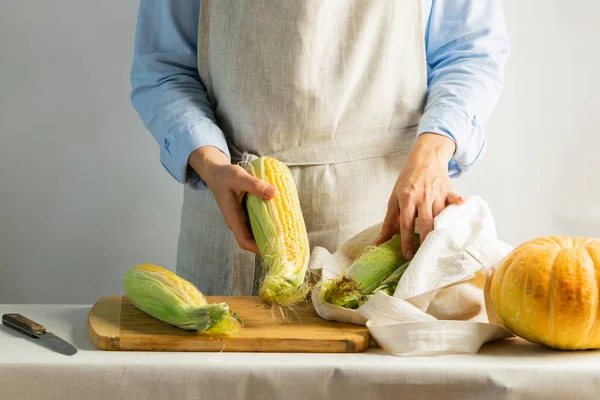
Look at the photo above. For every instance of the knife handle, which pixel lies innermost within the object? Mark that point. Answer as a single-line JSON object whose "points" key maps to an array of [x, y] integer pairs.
{"points": [[23, 325]]}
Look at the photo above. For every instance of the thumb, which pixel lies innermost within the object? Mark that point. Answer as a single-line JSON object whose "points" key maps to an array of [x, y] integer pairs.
{"points": [[257, 187]]}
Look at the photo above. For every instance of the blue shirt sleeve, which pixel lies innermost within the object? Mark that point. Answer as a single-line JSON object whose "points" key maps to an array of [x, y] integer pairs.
{"points": [[166, 89], [467, 46]]}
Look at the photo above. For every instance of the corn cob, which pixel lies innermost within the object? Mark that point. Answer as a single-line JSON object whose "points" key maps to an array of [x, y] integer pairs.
{"points": [[280, 233], [165, 296], [378, 268]]}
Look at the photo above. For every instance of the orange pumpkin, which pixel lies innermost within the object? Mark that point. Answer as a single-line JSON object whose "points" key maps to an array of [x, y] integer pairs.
{"points": [[547, 291]]}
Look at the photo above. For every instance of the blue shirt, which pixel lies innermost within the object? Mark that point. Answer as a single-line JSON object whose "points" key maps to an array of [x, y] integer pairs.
{"points": [[466, 46]]}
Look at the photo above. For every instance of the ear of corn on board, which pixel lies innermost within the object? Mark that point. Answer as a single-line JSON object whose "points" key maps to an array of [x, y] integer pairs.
{"points": [[114, 323]]}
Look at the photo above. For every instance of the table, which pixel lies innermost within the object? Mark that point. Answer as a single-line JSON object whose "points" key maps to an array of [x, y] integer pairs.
{"points": [[505, 369]]}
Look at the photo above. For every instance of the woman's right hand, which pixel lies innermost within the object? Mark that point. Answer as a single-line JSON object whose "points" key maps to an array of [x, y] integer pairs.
{"points": [[229, 183]]}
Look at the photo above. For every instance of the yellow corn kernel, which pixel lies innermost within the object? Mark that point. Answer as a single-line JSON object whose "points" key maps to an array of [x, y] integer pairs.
{"points": [[280, 233], [183, 289]]}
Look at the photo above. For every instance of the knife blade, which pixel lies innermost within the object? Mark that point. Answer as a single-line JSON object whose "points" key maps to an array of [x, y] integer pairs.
{"points": [[38, 332]]}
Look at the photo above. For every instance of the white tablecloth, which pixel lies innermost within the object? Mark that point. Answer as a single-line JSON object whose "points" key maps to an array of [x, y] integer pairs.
{"points": [[510, 369]]}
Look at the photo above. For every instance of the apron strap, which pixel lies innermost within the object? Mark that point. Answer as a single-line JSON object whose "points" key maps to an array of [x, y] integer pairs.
{"points": [[351, 149]]}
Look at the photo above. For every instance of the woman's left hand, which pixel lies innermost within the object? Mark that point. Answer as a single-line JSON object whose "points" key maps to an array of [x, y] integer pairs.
{"points": [[422, 191]]}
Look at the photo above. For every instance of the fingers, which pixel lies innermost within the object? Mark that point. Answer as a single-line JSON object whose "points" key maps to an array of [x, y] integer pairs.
{"points": [[428, 213], [454, 198], [229, 188], [239, 223], [250, 184], [246, 241], [438, 206], [407, 229], [390, 223], [237, 220], [425, 215]]}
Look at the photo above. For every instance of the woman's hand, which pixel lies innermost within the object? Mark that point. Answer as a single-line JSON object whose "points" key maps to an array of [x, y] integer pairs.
{"points": [[422, 191], [229, 183]]}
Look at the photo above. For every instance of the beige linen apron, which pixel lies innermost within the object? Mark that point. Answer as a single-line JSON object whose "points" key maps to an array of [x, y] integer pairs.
{"points": [[333, 88]]}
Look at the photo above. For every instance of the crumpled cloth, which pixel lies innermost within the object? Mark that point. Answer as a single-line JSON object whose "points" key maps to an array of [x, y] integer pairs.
{"points": [[441, 304]]}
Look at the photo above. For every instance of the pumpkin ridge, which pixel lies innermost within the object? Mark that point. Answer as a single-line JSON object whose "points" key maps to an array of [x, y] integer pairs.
{"points": [[525, 277], [556, 240], [511, 272], [550, 303], [504, 284], [533, 259], [592, 329]]}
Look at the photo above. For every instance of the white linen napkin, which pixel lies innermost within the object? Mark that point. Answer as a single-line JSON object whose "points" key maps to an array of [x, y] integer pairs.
{"points": [[441, 304]]}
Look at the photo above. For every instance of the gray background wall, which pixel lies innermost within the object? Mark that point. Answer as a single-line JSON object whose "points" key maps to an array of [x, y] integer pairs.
{"points": [[83, 196]]}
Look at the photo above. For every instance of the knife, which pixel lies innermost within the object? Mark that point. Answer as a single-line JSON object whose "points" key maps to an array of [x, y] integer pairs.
{"points": [[37, 331]]}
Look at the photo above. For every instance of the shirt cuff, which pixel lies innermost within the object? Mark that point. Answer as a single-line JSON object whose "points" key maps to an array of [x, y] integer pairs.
{"points": [[464, 131], [176, 148]]}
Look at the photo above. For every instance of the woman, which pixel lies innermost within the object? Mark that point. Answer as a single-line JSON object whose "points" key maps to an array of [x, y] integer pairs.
{"points": [[368, 102]]}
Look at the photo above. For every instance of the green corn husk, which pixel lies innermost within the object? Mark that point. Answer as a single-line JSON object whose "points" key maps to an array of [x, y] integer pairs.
{"points": [[389, 285], [165, 296], [391, 281], [369, 273]]}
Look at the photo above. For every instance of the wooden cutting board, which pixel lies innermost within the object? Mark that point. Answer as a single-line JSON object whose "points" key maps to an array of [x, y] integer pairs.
{"points": [[114, 323]]}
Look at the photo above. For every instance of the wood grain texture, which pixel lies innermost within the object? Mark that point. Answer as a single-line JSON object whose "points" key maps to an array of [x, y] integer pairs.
{"points": [[104, 323], [116, 324]]}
